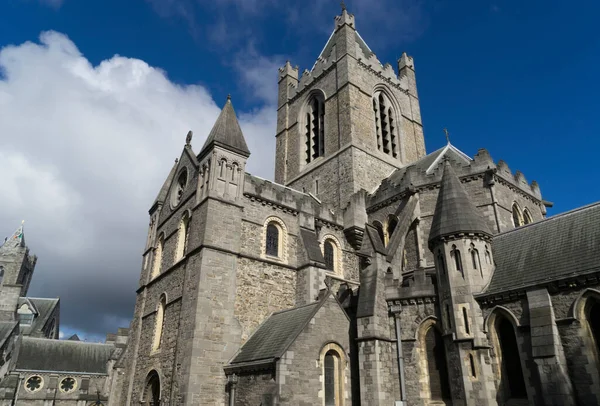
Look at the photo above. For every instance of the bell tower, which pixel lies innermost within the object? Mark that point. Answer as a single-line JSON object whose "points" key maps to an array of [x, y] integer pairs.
{"points": [[349, 121]]}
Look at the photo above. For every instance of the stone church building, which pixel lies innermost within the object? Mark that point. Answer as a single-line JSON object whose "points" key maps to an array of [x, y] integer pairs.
{"points": [[370, 272]]}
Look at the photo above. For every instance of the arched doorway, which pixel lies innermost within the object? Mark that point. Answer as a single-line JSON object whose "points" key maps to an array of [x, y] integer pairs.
{"points": [[152, 390], [439, 386], [512, 381]]}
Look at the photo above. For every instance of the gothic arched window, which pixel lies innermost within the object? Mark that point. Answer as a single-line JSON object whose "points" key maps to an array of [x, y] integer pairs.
{"points": [[158, 256], [182, 236], [457, 258], [516, 215], [527, 217], [152, 390], [315, 127], [159, 322], [272, 243], [385, 124], [1, 274]]}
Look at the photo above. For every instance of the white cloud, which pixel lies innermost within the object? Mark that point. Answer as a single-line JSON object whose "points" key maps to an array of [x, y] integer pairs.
{"points": [[83, 152]]}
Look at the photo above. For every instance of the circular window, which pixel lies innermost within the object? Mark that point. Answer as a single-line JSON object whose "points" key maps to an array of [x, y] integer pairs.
{"points": [[179, 187], [34, 383], [68, 385]]}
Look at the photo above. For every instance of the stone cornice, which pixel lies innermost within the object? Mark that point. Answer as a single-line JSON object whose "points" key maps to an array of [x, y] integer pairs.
{"points": [[382, 77], [574, 282], [271, 203]]}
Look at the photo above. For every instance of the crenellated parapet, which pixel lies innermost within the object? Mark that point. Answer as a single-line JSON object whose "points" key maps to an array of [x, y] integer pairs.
{"points": [[291, 201], [426, 173]]}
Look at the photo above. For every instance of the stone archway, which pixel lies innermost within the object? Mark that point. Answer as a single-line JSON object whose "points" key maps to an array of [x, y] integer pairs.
{"points": [[152, 390], [512, 381]]}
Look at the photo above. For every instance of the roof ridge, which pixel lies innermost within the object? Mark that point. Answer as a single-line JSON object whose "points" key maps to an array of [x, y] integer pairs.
{"points": [[295, 308], [547, 219], [69, 342]]}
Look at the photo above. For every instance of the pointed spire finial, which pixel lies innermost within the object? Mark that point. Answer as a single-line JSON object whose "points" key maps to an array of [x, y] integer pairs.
{"points": [[188, 138], [343, 4], [229, 97], [447, 135]]}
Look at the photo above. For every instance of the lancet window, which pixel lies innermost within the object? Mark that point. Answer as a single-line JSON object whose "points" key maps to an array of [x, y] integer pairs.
{"points": [[315, 127], [385, 125]]}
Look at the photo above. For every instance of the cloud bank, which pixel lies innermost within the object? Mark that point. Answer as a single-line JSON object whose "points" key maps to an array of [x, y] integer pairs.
{"points": [[83, 152]]}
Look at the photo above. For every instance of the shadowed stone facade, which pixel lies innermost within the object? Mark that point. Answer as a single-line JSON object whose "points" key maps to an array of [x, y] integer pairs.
{"points": [[368, 273]]}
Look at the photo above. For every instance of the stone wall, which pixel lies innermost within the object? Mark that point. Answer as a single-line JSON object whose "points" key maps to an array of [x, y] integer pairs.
{"points": [[256, 389], [299, 377]]}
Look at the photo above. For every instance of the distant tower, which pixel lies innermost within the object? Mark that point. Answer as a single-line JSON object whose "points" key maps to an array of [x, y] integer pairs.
{"points": [[348, 122], [16, 270], [460, 241]]}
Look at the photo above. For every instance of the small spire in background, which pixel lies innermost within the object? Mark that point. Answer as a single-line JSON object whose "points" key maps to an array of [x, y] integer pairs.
{"points": [[447, 135], [188, 138]]}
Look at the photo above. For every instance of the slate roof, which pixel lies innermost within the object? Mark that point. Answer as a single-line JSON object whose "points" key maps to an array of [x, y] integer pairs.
{"points": [[561, 246], [6, 327], [63, 356], [430, 162], [226, 133], [274, 336], [43, 307], [454, 211], [311, 245]]}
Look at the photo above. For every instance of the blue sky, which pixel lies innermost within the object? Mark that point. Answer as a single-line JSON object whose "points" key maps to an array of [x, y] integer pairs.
{"points": [[516, 77]]}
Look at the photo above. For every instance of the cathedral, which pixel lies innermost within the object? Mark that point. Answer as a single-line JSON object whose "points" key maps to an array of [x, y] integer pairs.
{"points": [[369, 272]]}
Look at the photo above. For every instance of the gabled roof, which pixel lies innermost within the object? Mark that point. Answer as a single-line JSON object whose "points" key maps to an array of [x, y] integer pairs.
{"points": [[558, 247], [311, 245], [431, 161], [63, 356], [274, 336], [331, 42], [16, 240], [454, 211], [164, 190], [43, 308], [226, 133]]}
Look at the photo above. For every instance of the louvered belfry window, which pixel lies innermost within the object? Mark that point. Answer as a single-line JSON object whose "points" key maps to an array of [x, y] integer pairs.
{"points": [[385, 125], [272, 243], [315, 128]]}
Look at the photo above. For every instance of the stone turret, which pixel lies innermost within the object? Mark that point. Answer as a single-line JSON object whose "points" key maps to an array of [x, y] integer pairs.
{"points": [[460, 241], [223, 158], [16, 270]]}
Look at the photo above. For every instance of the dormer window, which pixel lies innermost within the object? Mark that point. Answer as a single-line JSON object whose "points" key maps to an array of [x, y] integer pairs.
{"points": [[385, 125], [315, 127], [26, 315]]}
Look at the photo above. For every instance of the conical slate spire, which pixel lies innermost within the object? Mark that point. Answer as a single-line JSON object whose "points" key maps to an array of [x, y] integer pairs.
{"points": [[454, 211], [226, 133], [17, 239]]}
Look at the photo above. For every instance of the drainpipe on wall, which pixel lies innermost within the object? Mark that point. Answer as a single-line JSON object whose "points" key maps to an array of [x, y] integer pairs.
{"points": [[233, 379], [396, 309]]}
